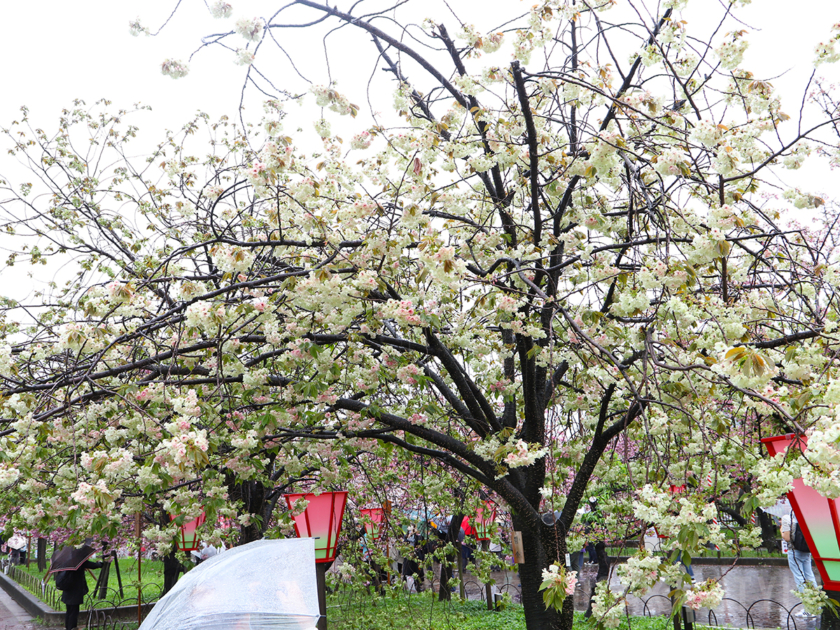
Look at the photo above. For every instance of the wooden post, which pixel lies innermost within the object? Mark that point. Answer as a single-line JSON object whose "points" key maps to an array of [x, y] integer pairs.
{"points": [[117, 567], [675, 616], [321, 576], [386, 512], [104, 574], [388, 561], [462, 589], [488, 589], [138, 528]]}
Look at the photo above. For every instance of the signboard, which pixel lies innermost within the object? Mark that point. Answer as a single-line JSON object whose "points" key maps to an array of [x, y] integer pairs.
{"points": [[518, 549]]}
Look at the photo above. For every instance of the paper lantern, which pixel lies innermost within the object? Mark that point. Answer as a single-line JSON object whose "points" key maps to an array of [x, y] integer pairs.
{"points": [[675, 489], [374, 522], [484, 518], [817, 515], [188, 541], [320, 520]]}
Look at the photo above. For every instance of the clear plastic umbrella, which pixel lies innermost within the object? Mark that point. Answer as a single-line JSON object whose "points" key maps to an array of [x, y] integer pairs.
{"points": [[263, 585], [779, 510]]}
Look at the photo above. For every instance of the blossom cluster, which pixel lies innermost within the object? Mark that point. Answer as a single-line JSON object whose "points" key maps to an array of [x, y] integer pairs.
{"points": [[174, 68], [244, 57], [206, 315], [331, 98], [557, 584], [220, 9], [731, 52], [707, 594], [607, 607], [827, 51], [823, 453], [135, 28], [524, 454], [250, 29], [814, 599], [640, 573], [233, 258]]}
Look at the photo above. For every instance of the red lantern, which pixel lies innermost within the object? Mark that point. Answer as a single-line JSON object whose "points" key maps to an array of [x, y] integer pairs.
{"points": [[817, 515], [374, 522], [484, 518], [675, 489], [320, 520], [189, 533]]}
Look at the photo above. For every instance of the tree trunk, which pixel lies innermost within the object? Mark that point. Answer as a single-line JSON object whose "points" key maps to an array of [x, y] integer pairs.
{"points": [[539, 553], [446, 571], [768, 531], [252, 494], [171, 568], [42, 554], [829, 620]]}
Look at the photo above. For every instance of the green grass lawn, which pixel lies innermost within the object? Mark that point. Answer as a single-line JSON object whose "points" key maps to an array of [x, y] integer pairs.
{"points": [[398, 611], [151, 576], [423, 612]]}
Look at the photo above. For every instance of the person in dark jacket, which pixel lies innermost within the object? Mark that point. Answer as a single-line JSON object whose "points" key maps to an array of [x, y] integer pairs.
{"points": [[413, 563], [603, 572], [74, 593]]}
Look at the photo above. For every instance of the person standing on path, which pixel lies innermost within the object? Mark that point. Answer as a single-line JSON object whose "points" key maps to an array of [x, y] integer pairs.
{"points": [[603, 573], [75, 588], [799, 555]]}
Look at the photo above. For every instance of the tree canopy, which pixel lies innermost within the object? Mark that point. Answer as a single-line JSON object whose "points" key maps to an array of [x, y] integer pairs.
{"points": [[552, 271]]}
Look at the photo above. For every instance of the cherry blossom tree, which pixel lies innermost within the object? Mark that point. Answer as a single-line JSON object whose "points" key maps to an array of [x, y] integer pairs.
{"points": [[556, 266]]}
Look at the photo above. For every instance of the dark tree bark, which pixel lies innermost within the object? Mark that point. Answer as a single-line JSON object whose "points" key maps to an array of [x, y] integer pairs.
{"points": [[42, 554], [830, 620], [253, 496], [540, 551], [446, 571], [171, 569], [768, 531]]}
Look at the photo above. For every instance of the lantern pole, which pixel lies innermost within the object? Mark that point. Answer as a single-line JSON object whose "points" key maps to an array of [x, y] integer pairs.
{"points": [[333, 522], [484, 516], [488, 589], [321, 577], [383, 528]]}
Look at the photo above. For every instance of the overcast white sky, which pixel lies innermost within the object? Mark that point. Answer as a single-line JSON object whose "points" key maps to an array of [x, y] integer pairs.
{"points": [[55, 51]]}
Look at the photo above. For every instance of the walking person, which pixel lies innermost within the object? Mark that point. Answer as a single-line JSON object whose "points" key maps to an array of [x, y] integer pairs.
{"points": [[68, 566], [413, 563], [74, 587], [603, 573], [799, 555]]}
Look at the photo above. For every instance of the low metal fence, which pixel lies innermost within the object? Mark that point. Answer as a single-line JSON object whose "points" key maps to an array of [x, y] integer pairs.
{"points": [[44, 590], [105, 612], [761, 613]]}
